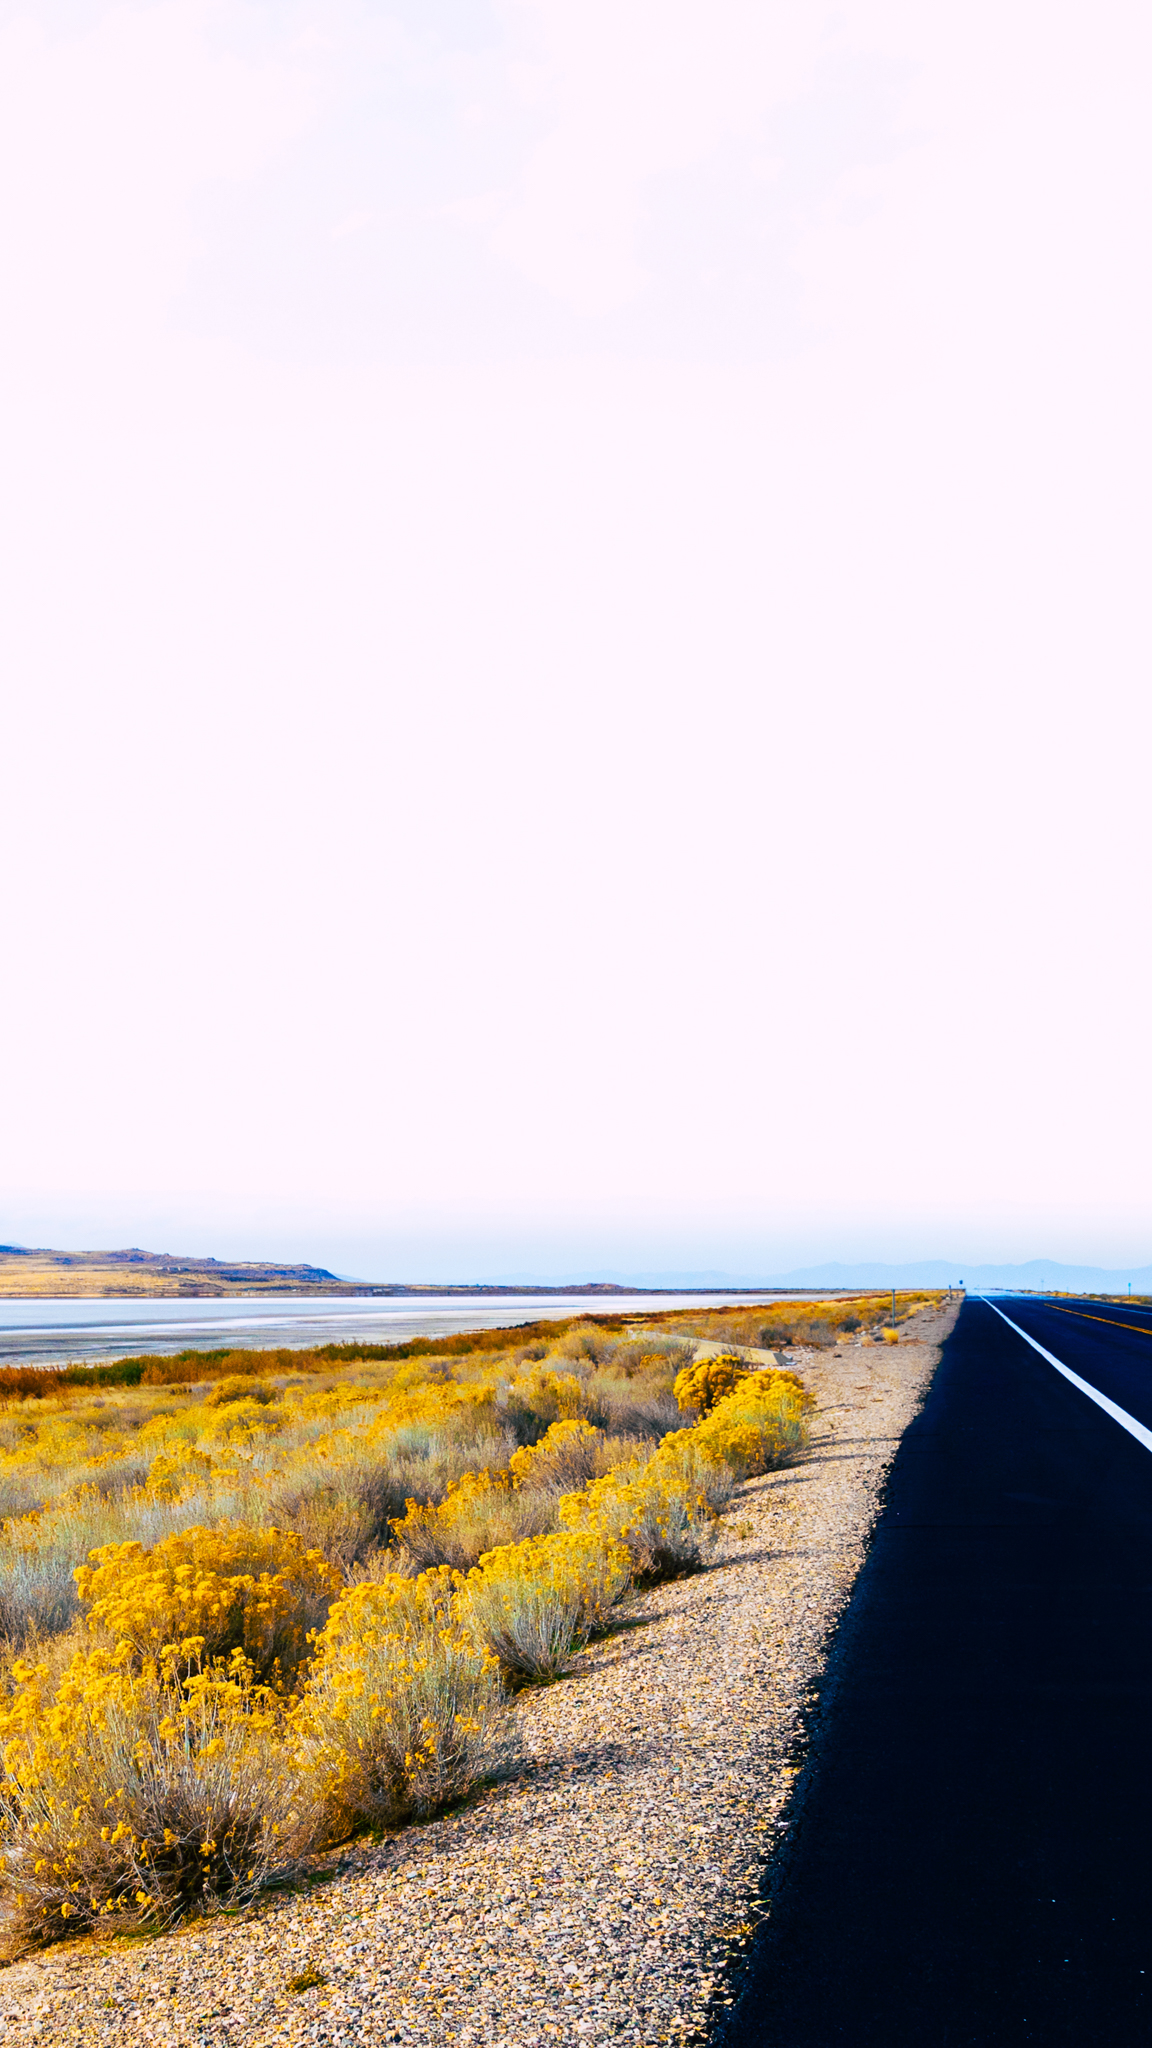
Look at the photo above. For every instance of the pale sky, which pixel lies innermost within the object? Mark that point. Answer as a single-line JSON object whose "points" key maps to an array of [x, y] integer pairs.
{"points": [[575, 635]]}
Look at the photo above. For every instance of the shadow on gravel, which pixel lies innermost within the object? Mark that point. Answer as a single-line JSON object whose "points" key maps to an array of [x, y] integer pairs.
{"points": [[770, 1554]]}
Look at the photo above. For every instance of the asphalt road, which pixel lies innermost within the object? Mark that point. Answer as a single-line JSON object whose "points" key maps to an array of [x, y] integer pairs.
{"points": [[972, 1856]]}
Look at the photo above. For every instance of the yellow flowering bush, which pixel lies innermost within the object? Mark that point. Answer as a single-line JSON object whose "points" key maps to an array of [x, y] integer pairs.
{"points": [[480, 1512], [231, 1588], [143, 1794], [663, 1520], [699, 1386], [759, 1425], [438, 1405], [402, 1711], [239, 1387], [704, 1477], [565, 1456], [166, 1428], [242, 1423], [177, 1470], [532, 1604], [542, 1395]]}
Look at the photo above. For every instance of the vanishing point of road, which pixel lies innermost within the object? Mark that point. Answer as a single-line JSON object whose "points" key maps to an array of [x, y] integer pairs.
{"points": [[971, 1860]]}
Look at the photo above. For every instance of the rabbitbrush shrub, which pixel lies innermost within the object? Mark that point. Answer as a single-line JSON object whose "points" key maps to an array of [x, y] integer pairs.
{"points": [[664, 1523], [698, 1387], [39, 1552], [230, 1588], [143, 1795], [759, 1425], [402, 1711], [569, 1454], [703, 1477], [566, 1456], [533, 1604], [482, 1510]]}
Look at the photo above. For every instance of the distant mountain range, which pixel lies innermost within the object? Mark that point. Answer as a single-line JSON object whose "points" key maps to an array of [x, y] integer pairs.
{"points": [[27, 1271], [1032, 1274], [601, 1277]]}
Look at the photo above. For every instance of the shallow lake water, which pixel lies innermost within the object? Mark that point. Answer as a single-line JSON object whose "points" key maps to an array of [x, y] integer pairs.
{"points": [[50, 1331]]}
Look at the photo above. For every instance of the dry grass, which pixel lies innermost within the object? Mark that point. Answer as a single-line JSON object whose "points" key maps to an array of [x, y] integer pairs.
{"points": [[812, 1325]]}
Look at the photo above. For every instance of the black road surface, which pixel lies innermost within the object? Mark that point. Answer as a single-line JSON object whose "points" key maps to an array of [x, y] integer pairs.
{"points": [[971, 1861]]}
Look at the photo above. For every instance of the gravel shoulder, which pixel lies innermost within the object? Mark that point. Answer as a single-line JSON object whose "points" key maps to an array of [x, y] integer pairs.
{"points": [[606, 1891]]}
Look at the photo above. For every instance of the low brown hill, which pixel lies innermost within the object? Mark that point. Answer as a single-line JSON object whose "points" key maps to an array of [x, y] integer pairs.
{"points": [[135, 1272]]}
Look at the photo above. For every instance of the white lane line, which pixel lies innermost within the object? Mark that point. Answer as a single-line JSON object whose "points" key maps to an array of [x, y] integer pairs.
{"points": [[1120, 1415]]}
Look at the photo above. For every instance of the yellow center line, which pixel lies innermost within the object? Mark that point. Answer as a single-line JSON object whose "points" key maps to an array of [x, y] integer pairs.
{"points": [[1116, 1325]]}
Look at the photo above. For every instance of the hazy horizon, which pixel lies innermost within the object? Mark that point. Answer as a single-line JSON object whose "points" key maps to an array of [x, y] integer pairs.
{"points": [[928, 1272]]}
